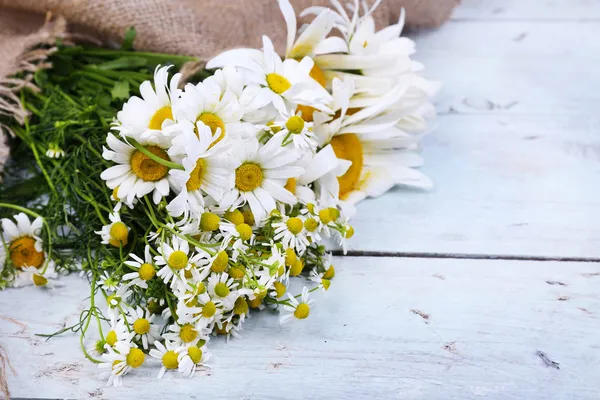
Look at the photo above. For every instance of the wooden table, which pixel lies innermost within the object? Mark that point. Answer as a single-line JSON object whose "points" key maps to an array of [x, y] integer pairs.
{"points": [[450, 294]]}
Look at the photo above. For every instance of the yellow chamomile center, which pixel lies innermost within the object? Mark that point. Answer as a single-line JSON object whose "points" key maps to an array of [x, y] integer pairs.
{"points": [[302, 311], [280, 289], [330, 273], [159, 117], [214, 122], [221, 289], [295, 124], [278, 83], [297, 268], [311, 224], [295, 225], [195, 354], [290, 257], [115, 192], [290, 185], [169, 360], [39, 280], [111, 338], [318, 75], [325, 216], [197, 176], [236, 272], [178, 260], [209, 222], [248, 177], [119, 232], [348, 147], [147, 271], [209, 309], [349, 232], [248, 217], [146, 168], [245, 231], [135, 358], [141, 326], [220, 262], [236, 217], [24, 254], [188, 333], [241, 306]]}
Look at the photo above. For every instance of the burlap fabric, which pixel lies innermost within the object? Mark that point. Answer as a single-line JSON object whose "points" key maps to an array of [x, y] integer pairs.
{"points": [[200, 28]]}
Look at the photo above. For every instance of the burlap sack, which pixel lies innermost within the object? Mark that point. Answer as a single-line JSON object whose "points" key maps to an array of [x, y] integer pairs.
{"points": [[200, 28]]}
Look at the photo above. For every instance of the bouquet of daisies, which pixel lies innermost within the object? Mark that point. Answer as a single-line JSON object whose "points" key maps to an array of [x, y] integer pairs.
{"points": [[213, 198]]}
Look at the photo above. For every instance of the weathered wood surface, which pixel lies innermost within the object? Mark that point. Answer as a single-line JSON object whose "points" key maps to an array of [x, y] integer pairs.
{"points": [[390, 328]]}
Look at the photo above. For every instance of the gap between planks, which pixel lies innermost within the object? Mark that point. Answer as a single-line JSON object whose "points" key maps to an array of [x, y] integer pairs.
{"points": [[462, 256]]}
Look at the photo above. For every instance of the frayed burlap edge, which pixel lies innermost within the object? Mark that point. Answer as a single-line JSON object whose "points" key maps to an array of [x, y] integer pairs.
{"points": [[4, 363]]}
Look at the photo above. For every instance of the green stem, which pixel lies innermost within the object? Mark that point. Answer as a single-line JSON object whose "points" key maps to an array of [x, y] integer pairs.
{"points": [[153, 156]]}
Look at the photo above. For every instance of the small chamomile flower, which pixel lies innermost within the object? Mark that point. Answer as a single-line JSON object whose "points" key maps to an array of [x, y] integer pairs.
{"points": [[168, 354], [294, 129], [145, 269], [143, 326], [225, 289], [193, 357], [23, 242], [54, 151], [297, 309], [318, 278], [108, 282], [118, 335], [37, 277], [186, 334], [116, 233], [120, 296], [174, 260], [291, 232], [120, 363]]}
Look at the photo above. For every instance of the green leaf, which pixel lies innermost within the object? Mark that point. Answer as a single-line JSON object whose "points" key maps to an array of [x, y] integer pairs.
{"points": [[128, 39], [120, 90]]}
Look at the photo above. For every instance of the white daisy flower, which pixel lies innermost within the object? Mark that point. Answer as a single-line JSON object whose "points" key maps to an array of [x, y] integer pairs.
{"points": [[145, 117], [120, 363], [23, 242], [116, 233], [260, 177], [174, 259], [108, 282], [297, 309], [294, 129], [136, 173], [143, 326], [206, 312], [318, 278], [207, 171], [168, 354], [114, 300], [225, 289], [187, 334], [192, 358], [38, 277], [118, 336], [145, 269], [290, 231], [282, 82]]}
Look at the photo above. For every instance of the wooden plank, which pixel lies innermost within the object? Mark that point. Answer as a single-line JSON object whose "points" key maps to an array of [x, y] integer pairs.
{"points": [[540, 10], [389, 328], [505, 185]]}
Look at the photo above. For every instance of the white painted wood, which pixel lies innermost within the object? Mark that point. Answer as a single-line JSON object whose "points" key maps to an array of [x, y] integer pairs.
{"points": [[516, 185], [539, 10], [486, 320]]}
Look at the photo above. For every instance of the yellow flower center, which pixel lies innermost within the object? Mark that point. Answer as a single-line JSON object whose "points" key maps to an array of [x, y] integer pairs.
{"points": [[295, 225], [280, 289], [311, 224], [297, 268], [302, 311], [119, 232], [169, 360], [114, 193], [147, 271], [209, 222], [24, 254], [195, 354], [248, 177], [330, 273], [290, 257], [111, 338], [326, 283], [214, 122], [159, 117], [147, 169], [349, 232], [241, 306], [248, 217], [39, 280], [236, 272], [197, 176], [245, 231], [290, 185], [188, 333], [222, 290], [220, 262], [209, 309], [348, 147], [141, 326], [318, 75], [178, 260], [334, 212], [236, 217], [278, 83], [135, 358], [325, 216], [295, 124], [200, 288]]}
